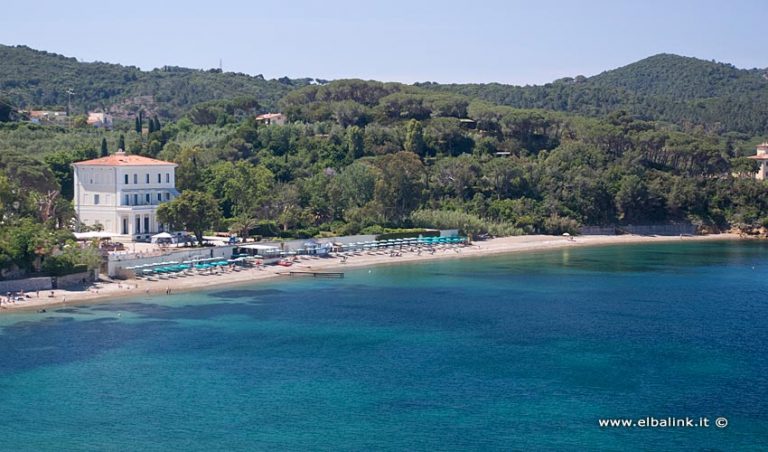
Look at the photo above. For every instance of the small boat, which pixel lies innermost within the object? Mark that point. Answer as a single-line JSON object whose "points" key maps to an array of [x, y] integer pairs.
{"points": [[285, 263]]}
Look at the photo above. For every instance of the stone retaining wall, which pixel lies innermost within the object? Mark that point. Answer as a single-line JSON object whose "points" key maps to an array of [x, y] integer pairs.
{"points": [[45, 282]]}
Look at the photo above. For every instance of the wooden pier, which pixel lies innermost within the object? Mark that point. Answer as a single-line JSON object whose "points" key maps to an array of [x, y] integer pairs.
{"points": [[317, 274]]}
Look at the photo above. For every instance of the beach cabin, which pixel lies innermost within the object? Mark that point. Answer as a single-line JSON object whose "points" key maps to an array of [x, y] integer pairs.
{"points": [[314, 248], [267, 253]]}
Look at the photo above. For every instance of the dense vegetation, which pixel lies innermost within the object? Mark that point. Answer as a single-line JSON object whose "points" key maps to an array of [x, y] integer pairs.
{"points": [[36, 79], [695, 94], [365, 156], [35, 221]]}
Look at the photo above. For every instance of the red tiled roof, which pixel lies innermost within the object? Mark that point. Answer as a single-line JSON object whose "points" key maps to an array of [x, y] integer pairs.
{"points": [[124, 160]]}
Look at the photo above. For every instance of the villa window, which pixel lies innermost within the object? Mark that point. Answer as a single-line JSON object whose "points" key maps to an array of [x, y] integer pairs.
{"points": [[147, 177], [126, 179], [147, 198], [135, 200], [127, 199], [159, 178], [167, 178], [95, 199], [167, 196], [159, 196], [135, 179]]}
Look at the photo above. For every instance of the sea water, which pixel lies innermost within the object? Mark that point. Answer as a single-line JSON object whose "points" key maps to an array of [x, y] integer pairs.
{"points": [[516, 352]]}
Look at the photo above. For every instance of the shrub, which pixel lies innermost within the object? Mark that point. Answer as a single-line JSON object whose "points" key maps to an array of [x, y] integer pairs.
{"points": [[466, 223]]}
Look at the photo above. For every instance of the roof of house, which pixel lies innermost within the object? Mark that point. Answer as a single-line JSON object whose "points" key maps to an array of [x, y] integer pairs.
{"points": [[120, 158], [269, 116]]}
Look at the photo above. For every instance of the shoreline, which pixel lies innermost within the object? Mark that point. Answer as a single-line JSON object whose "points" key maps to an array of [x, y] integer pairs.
{"points": [[101, 292]]}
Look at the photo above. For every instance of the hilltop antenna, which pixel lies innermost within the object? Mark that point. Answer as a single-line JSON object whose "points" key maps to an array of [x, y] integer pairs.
{"points": [[220, 66]]}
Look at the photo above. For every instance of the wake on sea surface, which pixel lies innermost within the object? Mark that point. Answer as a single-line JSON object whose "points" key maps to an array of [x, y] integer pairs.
{"points": [[514, 351]]}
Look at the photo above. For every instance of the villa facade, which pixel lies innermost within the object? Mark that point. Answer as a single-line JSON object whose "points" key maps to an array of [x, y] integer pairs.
{"points": [[121, 192], [762, 158]]}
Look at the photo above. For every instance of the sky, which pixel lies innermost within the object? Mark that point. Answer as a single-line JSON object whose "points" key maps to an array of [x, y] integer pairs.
{"points": [[517, 42]]}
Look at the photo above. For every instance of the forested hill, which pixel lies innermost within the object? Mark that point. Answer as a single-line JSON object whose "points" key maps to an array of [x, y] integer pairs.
{"points": [[37, 79], [683, 78], [692, 93], [695, 94]]}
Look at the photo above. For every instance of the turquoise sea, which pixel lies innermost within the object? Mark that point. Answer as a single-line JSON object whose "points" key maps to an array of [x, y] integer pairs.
{"points": [[516, 352]]}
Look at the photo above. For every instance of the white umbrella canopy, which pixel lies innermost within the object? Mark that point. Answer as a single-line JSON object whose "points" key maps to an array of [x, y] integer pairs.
{"points": [[162, 235]]}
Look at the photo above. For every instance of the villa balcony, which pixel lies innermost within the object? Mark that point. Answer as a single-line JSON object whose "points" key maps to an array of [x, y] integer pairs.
{"points": [[137, 208]]}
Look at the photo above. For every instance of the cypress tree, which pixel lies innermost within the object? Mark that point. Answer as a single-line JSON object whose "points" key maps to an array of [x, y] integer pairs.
{"points": [[414, 138], [150, 126], [121, 142], [137, 125], [157, 124], [104, 150]]}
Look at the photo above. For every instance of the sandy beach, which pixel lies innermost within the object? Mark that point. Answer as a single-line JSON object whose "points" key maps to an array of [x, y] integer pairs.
{"points": [[102, 290]]}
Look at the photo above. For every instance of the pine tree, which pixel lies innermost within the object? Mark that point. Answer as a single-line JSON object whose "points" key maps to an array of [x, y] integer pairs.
{"points": [[121, 142], [104, 149]]}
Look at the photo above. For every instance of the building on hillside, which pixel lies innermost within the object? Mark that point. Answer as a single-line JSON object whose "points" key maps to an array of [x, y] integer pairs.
{"points": [[269, 119], [99, 120], [121, 193], [47, 116], [762, 158]]}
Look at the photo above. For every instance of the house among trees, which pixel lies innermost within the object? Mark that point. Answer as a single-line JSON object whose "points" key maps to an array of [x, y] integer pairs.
{"points": [[99, 120], [47, 116], [762, 158], [121, 193], [269, 119]]}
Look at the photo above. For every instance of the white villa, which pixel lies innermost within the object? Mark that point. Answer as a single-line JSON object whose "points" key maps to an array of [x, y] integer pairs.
{"points": [[121, 192], [762, 157]]}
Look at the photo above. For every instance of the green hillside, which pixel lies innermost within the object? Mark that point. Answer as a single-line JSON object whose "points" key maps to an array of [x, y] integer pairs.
{"points": [[693, 93], [682, 78], [37, 79]]}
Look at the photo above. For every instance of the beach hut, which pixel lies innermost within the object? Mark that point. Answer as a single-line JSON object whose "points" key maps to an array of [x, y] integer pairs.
{"points": [[270, 254], [162, 238]]}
